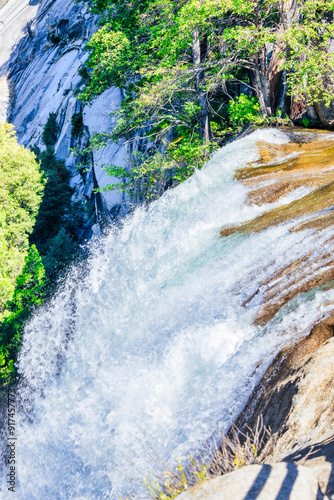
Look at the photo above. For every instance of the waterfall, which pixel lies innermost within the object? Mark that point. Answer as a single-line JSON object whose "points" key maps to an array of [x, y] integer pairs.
{"points": [[152, 349]]}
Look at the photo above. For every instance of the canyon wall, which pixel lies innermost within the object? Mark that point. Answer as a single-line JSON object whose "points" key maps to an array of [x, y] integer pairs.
{"points": [[42, 47]]}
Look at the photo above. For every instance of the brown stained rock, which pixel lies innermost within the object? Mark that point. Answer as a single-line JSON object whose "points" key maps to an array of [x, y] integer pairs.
{"points": [[304, 157], [287, 167], [296, 395], [321, 222], [294, 282], [278, 385], [317, 200], [311, 165], [270, 194]]}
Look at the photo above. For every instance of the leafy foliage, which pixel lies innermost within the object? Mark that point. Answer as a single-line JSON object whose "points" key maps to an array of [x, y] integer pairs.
{"points": [[29, 293], [244, 110], [149, 174], [51, 223], [181, 64], [21, 189], [310, 64], [21, 269]]}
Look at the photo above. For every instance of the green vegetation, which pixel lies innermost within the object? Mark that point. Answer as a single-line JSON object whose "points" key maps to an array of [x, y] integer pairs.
{"points": [[149, 174], [36, 209], [21, 190], [21, 269], [50, 132], [194, 72], [244, 110], [77, 124], [29, 293], [58, 219]]}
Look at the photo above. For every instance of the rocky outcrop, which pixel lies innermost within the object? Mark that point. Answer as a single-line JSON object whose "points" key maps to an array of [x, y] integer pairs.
{"points": [[42, 48], [295, 397], [281, 169]]}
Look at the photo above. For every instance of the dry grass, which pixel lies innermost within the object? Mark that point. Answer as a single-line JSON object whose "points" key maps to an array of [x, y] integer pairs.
{"points": [[235, 450]]}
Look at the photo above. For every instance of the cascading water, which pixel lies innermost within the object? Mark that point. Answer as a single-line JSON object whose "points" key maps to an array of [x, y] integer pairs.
{"points": [[153, 350]]}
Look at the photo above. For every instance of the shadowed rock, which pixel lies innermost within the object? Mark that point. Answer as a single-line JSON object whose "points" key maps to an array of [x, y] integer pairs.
{"points": [[259, 482]]}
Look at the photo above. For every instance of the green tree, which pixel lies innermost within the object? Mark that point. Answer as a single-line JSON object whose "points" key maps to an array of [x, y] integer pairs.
{"points": [[29, 293], [58, 217], [310, 61], [61, 251], [181, 64], [21, 190], [51, 129]]}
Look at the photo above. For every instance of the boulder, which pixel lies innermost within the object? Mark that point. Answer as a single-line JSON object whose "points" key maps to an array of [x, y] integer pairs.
{"points": [[281, 481]]}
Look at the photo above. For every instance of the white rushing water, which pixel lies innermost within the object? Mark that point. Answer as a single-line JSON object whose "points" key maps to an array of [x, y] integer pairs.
{"points": [[152, 351]]}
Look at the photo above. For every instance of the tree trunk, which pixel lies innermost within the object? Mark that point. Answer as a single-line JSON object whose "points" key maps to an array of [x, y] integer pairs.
{"points": [[204, 121], [260, 85]]}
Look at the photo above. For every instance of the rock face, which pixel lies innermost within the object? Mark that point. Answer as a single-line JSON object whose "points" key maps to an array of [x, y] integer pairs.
{"points": [[326, 113], [14, 17], [42, 47], [259, 482], [296, 394]]}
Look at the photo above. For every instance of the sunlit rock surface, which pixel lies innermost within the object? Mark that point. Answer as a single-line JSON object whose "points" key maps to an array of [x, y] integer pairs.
{"points": [[296, 400], [302, 165], [14, 17], [284, 481]]}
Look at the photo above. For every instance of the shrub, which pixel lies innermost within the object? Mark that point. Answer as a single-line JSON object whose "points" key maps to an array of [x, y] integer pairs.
{"points": [[51, 129], [55, 38], [244, 110], [77, 124]]}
